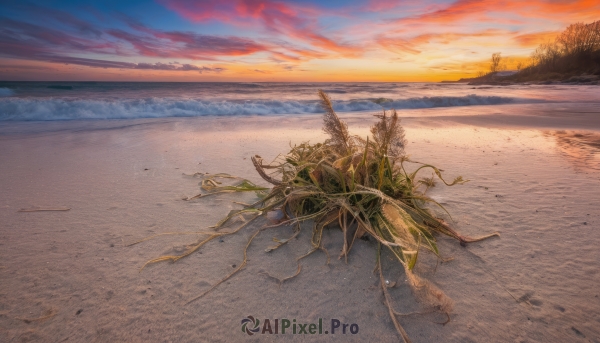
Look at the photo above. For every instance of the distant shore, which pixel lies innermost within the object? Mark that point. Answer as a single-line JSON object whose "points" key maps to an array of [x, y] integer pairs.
{"points": [[538, 79]]}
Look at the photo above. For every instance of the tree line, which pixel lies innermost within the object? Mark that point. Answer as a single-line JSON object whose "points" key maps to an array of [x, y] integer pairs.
{"points": [[576, 50]]}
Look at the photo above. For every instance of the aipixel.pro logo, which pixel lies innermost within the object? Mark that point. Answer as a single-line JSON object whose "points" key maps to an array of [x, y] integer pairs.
{"points": [[283, 326]]}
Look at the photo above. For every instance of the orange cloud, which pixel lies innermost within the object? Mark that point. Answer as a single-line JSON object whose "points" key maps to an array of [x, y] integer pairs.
{"points": [[479, 10], [446, 38], [397, 45], [536, 38], [411, 45]]}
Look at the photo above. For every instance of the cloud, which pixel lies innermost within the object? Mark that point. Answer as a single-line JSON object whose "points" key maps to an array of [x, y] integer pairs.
{"points": [[34, 42], [293, 21], [480, 10], [89, 62], [456, 11], [62, 18], [412, 45], [397, 45], [187, 44], [449, 37], [176, 67], [23, 66], [69, 20], [216, 45], [280, 50], [536, 38], [24, 36], [383, 5]]}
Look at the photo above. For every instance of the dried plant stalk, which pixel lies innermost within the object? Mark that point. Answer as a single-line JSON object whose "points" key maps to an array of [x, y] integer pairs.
{"points": [[362, 185]]}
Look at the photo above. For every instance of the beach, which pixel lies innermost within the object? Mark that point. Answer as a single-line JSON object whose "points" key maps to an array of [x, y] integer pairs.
{"points": [[533, 165]]}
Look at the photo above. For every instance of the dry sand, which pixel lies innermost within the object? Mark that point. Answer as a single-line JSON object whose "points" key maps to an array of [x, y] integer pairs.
{"points": [[533, 179]]}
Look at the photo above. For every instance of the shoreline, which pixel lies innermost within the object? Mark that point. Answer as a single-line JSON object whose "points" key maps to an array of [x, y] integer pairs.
{"points": [[571, 80]]}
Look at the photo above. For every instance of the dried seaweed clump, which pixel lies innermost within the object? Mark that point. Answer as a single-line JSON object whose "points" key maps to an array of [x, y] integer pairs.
{"points": [[361, 185]]}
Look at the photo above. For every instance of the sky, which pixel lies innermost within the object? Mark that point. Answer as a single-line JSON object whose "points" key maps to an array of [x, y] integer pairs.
{"points": [[274, 41]]}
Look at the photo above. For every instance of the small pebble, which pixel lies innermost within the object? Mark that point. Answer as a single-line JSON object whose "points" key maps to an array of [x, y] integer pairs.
{"points": [[78, 312], [584, 223], [221, 240]]}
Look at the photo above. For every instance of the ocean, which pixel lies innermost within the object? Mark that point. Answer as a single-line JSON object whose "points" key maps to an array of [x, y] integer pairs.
{"points": [[49, 101]]}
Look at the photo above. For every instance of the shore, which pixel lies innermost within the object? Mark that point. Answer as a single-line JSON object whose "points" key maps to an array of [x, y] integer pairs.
{"points": [[68, 276], [542, 79]]}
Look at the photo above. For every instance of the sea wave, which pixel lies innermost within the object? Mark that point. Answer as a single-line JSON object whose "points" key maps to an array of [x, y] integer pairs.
{"points": [[6, 91], [13, 108]]}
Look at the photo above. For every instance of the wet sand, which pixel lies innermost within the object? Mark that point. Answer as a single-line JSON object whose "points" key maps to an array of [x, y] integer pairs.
{"points": [[67, 276]]}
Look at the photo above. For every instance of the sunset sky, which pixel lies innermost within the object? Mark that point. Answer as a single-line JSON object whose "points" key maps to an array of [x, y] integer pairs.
{"points": [[262, 40]]}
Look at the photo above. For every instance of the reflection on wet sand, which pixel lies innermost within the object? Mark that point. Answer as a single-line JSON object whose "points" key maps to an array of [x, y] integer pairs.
{"points": [[581, 148]]}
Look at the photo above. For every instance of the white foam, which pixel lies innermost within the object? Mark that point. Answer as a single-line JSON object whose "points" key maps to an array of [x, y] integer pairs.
{"points": [[49, 108], [6, 92]]}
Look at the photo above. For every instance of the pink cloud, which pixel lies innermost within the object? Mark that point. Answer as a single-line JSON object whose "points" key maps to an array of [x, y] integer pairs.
{"points": [[536, 38], [295, 21], [479, 10], [411, 45], [189, 45], [32, 42]]}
